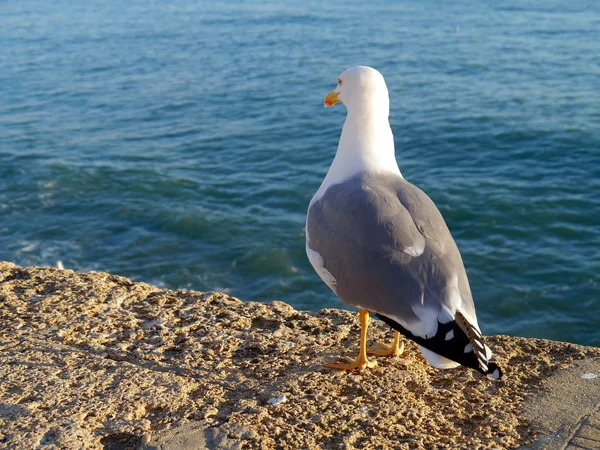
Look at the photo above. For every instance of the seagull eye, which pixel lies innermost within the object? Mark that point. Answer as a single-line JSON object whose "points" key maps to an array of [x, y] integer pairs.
{"points": [[340, 81]]}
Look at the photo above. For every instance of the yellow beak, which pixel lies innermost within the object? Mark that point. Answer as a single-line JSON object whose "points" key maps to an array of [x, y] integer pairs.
{"points": [[331, 99]]}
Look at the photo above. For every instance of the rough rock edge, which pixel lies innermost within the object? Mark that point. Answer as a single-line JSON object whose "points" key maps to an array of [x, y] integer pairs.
{"points": [[93, 360]]}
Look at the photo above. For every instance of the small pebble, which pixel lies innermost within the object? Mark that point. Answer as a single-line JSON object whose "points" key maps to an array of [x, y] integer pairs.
{"points": [[119, 300], [278, 333], [152, 323], [277, 400], [210, 412], [589, 376], [363, 411]]}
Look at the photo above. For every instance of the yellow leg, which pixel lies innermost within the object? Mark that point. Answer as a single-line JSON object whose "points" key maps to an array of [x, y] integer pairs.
{"points": [[361, 362], [396, 349]]}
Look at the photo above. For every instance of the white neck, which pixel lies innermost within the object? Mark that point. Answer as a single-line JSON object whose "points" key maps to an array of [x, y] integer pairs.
{"points": [[366, 145]]}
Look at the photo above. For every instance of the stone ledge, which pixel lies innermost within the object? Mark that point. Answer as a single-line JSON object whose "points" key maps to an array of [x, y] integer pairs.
{"points": [[93, 360]]}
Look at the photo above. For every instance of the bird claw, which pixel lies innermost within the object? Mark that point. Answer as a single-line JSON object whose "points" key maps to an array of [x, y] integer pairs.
{"points": [[358, 364], [381, 349]]}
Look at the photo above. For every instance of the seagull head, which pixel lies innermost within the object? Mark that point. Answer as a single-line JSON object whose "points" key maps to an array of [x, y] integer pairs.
{"points": [[360, 87]]}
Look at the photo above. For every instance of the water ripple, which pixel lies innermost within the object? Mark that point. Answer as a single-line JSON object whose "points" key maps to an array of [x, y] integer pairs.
{"points": [[179, 143]]}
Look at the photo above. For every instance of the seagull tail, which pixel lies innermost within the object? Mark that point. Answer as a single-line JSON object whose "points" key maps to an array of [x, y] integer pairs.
{"points": [[457, 341]]}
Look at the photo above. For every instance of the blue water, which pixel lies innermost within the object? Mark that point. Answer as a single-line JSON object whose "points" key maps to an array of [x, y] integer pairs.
{"points": [[179, 143]]}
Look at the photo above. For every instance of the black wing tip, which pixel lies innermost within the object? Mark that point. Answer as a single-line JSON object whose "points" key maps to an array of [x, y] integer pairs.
{"points": [[494, 372], [456, 352]]}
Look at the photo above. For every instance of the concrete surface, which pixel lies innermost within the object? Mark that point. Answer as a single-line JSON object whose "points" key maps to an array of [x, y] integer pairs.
{"points": [[566, 412]]}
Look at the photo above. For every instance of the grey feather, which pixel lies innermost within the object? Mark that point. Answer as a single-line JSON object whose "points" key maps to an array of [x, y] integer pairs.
{"points": [[388, 247]]}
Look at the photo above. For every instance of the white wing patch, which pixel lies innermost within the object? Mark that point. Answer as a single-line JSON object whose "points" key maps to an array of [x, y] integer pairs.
{"points": [[415, 250], [427, 325], [318, 264]]}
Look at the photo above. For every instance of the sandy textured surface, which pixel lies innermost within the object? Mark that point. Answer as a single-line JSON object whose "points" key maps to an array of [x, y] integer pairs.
{"points": [[96, 361]]}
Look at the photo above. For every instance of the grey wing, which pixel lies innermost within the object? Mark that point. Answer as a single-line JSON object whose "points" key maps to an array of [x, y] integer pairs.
{"points": [[387, 247]]}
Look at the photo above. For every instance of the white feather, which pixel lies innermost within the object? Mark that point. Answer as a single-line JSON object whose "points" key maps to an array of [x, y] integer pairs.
{"points": [[415, 250], [427, 325], [488, 353], [438, 361], [318, 264]]}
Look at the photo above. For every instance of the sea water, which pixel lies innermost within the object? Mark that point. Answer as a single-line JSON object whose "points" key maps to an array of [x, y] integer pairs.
{"points": [[179, 143]]}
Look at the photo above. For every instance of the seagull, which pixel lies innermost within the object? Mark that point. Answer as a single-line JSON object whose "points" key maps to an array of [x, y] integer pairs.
{"points": [[382, 246]]}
